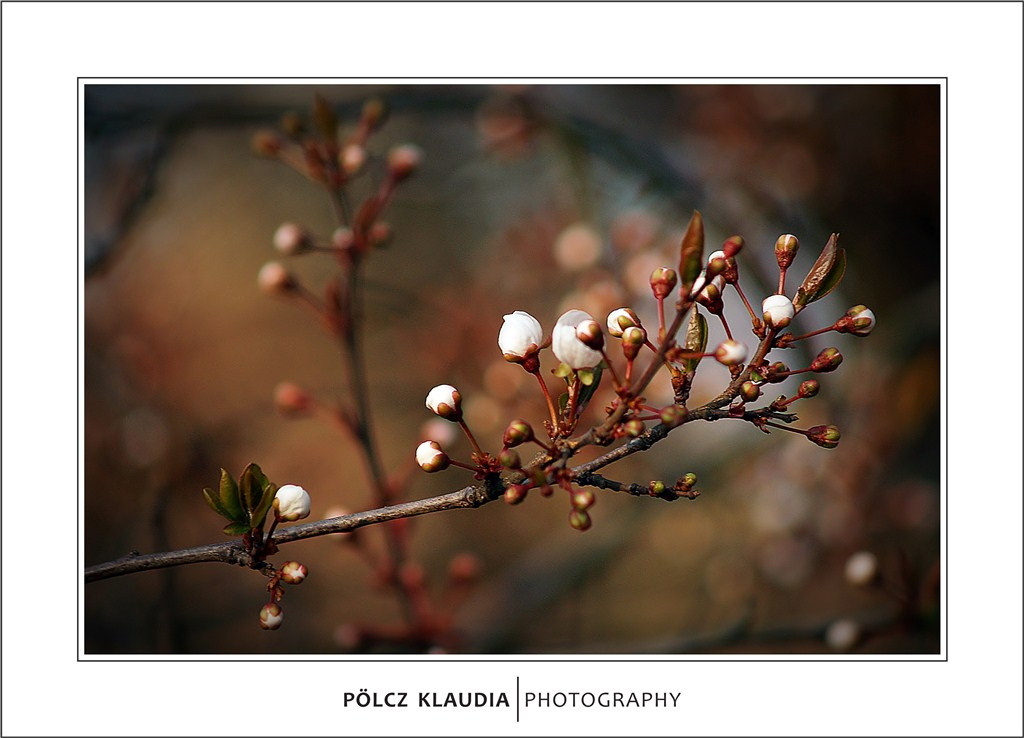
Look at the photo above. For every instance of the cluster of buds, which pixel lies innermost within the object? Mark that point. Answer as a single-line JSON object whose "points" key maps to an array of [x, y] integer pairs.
{"points": [[271, 614], [584, 354]]}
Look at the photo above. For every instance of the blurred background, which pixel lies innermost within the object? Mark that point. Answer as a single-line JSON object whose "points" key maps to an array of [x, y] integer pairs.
{"points": [[537, 198]]}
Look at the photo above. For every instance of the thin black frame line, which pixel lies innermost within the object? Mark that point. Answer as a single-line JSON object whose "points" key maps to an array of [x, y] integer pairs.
{"points": [[346, 80], [426, 660]]}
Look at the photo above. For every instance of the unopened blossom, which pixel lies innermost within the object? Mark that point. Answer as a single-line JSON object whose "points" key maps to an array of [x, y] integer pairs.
{"points": [[777, 311], [292, 503], [861, 568], [842, 635], [292, 572], [567, 346], [445, 400], [274, 279], [271, 616], [520, 336], [404, 160], [731, 352], [430, 457], [785, 249], [352, 158], [861, 320], [621, 319], [289, 239]]}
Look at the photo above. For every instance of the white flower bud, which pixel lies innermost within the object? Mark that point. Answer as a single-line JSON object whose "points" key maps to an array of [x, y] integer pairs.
{"points": [[271, 616], [520, 336], [353, 156], [621, 319], [445, 400], [404, 160], [289, 239], [862, 320], [430, 457], [861, 568], [568, 348], [731, 352], [842, 635], [292, 503], [777, 311], [275, 279]]}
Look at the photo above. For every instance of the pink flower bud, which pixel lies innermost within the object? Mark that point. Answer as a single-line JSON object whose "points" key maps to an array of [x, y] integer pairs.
{"points": [[731, 352], [785, 249], [732, 246], [292, 572], [292, 400], [404, 160], [290, 239], [445, 400], [621, 319], [431, 458], [352, 158], [567, 346], [274, 279], [809, 388], [777, 311], [292, 503], [271, 616]]}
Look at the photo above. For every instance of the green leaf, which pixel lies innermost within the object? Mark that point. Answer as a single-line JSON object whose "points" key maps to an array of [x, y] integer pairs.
{"points": [[696, 339], [236, 529], [811, 286], [691, 253], [229, 497], [250, 489], [589, 386], [214, 503], [563, 401], [563, 370], [259, 515]]}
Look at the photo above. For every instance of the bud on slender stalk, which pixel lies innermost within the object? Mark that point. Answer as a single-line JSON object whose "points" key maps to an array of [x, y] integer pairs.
{"points": [[583, 499], [517, 432], [271, 616], [785, 250], [520, 336], [809, 388], [776, 372], [291, 239], [292, 572], [732, 246], [731, 352], [749, 391], [827, 361], [274, 279], [663, 281], [859, 320], [579, 520], [445, 401], [826, 436], [509, 459], [633, 339], [403, 161], [567, 346], [431, 458]]}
